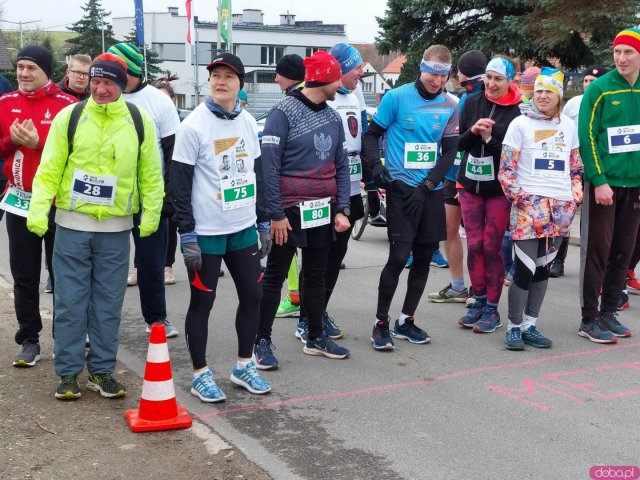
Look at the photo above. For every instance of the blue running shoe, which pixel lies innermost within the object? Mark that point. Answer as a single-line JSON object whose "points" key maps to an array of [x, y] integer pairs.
{"points": [[623, 301], [263, 352], [488, 322], [513, 340], [409, 331], [329, 326], [610, 321], [409, 261], [380, 337], [249, 378], [438, 260], [474, 312], [302, 330], [323, 345], [206, 389], [531, 336], [596, 332]]}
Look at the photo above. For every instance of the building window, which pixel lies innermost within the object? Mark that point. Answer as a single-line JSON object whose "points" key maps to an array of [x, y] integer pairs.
{"points": [[311, 50], [367, 87], [173, 52], [270, 54], [180, 100]]}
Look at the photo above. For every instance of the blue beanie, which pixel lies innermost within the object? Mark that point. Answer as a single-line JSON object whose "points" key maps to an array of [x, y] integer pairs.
{"points": [[348, 57]]}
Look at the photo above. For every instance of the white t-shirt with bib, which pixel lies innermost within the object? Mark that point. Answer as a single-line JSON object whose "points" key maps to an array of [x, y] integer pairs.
{"points": [[545, 147], [349, 108], [220, 150]]}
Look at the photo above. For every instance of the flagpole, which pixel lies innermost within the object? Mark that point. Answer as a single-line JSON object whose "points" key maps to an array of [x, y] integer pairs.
{"points": [[219, 26]]}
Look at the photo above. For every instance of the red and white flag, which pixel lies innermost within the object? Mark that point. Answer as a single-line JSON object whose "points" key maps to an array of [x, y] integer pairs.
{"points": [[187, 5]]}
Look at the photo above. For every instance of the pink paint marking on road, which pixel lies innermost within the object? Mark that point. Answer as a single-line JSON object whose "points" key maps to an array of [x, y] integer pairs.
{"points": [[415, 383]]}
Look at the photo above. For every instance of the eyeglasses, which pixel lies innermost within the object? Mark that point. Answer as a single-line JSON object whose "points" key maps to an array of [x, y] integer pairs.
{"points": [[79, 74]]}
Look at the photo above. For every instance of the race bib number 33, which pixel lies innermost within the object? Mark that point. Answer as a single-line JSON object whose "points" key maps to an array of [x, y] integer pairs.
{"points": [[93, 189], [315, 213], [16, 201]]}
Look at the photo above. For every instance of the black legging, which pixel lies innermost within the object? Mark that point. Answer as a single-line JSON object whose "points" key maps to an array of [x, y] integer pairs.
{"points": [[398, 255], [172, 244], [312, 286], [244, 267]]}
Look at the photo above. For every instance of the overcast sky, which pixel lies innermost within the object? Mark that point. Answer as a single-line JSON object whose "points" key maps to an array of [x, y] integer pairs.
{"points": [[358, 15]]}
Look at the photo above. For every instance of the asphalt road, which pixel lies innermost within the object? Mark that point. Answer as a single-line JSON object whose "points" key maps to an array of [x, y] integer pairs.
{"points": [[461, 407]]}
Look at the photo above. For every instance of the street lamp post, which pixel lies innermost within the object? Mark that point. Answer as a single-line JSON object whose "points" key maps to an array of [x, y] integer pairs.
{"points": [[20, 23]]}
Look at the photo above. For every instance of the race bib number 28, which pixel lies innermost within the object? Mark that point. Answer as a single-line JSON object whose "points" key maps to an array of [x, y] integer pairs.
{"points": [[93, 189]]}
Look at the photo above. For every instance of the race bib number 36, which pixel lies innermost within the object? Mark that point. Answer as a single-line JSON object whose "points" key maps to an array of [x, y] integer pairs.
{"points": [[624, 139], [93, 189], [16, 201], [315, 213], [419, 156], [238, 192]]}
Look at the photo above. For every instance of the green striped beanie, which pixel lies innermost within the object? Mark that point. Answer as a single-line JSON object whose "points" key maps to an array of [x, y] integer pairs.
{"points": [[130, 53]]}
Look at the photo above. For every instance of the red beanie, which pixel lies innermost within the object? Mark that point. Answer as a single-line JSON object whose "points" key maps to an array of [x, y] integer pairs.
{"points": [[321, 68], [630, 36]]}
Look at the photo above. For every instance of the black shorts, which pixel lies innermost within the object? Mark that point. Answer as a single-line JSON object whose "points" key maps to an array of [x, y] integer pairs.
{"points": [[450, 192], [356, 207], [429, 227]]}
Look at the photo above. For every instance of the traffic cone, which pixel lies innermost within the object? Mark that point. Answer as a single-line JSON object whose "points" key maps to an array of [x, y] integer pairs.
{"points": [[158, 407]]}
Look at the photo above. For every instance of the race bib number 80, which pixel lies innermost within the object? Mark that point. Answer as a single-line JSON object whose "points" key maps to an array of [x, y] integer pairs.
{"points": [[315, 213]]}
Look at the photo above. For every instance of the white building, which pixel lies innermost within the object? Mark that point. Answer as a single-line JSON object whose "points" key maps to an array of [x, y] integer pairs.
{"points": [[373, 82], [259, 46]]}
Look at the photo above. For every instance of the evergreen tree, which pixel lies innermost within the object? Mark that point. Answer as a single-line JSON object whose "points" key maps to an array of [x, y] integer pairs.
{"points": [[59, 66], [153, 60], [88, 28]]}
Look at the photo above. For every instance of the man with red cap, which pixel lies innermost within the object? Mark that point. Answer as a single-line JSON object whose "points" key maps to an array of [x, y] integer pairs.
{"points": [[609, 134], [25, 119], [307, 185]]}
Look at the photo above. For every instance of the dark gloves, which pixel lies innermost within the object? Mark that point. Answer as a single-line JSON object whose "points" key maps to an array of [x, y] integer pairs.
{"points": [[381, 175], [191, 251], [264, 232], [414, 202]]}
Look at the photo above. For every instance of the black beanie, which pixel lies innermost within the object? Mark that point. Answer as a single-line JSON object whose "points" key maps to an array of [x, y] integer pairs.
{"points": [[472, 63], [291, 67], [109, 66], [595, 71], [38, 55]]}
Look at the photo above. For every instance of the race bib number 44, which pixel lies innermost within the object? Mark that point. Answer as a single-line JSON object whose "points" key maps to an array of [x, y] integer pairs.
{"points": [[238, 192], [420, 156], [480, 169], [624, 139], [93, 189], [315, 213], [16, 201]]}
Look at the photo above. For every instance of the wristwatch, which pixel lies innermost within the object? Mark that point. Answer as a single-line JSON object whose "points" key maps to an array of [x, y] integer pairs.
{"points": [[346, 211], [430, 185], [486, 142]]}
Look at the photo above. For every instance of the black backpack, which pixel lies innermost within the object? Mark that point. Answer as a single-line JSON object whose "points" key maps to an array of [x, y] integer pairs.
{"points": [[77, 112]]}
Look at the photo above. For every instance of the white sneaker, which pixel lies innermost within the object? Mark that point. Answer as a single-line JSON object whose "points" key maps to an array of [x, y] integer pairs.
{"points": [[132, 279], [169, 330], [169, 279]]}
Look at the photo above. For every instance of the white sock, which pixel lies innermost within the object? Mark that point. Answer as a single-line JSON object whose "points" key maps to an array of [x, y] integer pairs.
{"points": [[513, 325], [402, 318], [242, 365], [528, 321], [197, 373]]}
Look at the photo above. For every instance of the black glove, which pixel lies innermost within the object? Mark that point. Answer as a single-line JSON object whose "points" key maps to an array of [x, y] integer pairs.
{"points": [[415, 202], [381, 175]]}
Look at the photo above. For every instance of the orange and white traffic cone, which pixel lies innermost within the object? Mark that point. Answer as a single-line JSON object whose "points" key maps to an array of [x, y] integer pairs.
{"points": [[158, 407]]}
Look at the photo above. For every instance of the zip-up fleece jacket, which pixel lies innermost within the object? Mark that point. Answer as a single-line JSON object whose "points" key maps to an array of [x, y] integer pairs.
{"points": [[477, 106], [105, 143], [609, 102], [41, 107]]}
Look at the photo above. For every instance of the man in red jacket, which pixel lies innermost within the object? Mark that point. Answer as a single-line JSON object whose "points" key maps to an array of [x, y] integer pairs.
{"points": [[25, 119]]}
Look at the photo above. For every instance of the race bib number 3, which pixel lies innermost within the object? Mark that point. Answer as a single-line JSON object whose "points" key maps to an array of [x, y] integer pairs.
{"points": [[420, 156], [355, 168], [624, 139], [550, 164], [93, 189], [16, 201], [238, 192], [480, 169], [315, 213]]}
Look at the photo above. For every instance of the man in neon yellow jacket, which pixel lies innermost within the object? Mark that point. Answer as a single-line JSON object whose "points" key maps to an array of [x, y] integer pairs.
{"points": [[102, 165]]}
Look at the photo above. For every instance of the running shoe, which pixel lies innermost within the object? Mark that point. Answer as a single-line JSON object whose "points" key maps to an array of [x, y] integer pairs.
{"points": [[324, 346], [380, 337], [68, 389], [263, 352], [249, 378], [28, 356], [610, 321], [623, 301], [329, 326], [302, 330], [169, 330], [169, 278], [132, 278], [438, 260], [409, 331], [474, 312], [48, 288], [596, 332], [557, 269], [472, 299], [206, 389], [409, 261], [534, 338], [449, 295], [632, 282], [108, 386], [488, 321], [513, 339], [287, 308]]}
